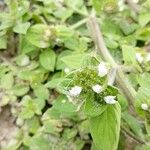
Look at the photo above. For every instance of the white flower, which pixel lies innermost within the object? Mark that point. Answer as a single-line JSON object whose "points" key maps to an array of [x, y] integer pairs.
{"points": [[148, 57], [66, 70], [110, 99], [75, 91], [144, 106], [97, 88], [139, 57], [102, 69]]}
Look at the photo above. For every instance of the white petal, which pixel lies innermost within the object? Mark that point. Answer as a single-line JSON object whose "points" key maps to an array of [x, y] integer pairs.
{"points": [[97, 88], [102, 69], [75, 91], [139, 57], [144, 106], [110, 99]]}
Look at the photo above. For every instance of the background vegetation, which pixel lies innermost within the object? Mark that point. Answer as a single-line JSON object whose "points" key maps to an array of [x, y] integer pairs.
{"points": [[42, 41]]}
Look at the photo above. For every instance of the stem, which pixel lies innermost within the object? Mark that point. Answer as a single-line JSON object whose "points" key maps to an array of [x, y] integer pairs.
{"points": [[130, 134], [121, 80], [78, 24], [135, 7]]}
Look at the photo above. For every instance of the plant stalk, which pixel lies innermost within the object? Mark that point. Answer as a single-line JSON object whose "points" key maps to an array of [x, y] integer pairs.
{"points": [[121, 80], [130, 134]]}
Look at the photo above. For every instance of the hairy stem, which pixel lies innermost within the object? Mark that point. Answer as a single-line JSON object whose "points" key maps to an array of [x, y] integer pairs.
{"points": [[121, 80], [78, 24], [127, 132], [135, 7]]}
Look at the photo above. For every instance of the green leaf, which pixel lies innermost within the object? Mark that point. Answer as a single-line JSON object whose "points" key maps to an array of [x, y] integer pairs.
{"points": [[26, 113], [144, 80], [69, 133], [48, 59], [127, 28], [143, 93], [129, 55], [41, 92], [4, 100], [143, 34], [54, 83], [52, 126], [76, 43], [60, 65], [142, 97], [34, 76], [40, 142], [3, 42], [93, 108], [22, 60], [40, 103], [33, 124], [39, 35], [122, 101], [74, 60], [100, 5], [63, 13], [7, 81], [26, 46], [20, 89], [29, 108], [105, 128], [76, 3], [133, 124], [21, 27], [147, 125], [62, 105], [144, 18]]}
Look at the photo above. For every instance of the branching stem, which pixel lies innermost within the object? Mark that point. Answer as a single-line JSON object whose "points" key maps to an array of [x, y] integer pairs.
{"points": [[127, 132], [121, 80]]}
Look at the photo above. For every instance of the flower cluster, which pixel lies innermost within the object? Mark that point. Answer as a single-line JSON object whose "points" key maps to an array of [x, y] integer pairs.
{"points": [[94, 81]]}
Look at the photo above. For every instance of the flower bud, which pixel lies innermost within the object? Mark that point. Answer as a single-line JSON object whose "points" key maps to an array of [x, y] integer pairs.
{"points": [[97, 88], [102, 69], [110, 99], [75, 91]]}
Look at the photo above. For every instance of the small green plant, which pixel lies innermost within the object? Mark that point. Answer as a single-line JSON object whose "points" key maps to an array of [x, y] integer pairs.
{"points": [[90, 86], [74, 75]]}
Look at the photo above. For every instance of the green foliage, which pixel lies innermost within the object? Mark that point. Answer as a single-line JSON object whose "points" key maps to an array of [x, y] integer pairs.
{"points": [[46, 49], [105, 127], [48, 59], [108, 5]]}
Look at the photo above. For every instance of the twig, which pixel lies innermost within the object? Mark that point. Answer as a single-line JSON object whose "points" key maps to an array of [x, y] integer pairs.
{"points": [[121, 80], [135, 7], [130, 134], [78, 24]]}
